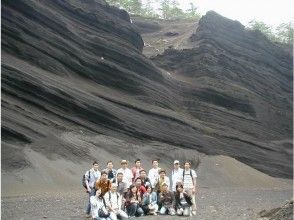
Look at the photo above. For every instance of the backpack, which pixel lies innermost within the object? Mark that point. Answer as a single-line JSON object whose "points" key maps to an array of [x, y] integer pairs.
{"points": [[84, 180]]}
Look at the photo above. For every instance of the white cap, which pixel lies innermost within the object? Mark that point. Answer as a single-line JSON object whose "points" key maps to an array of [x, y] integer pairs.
{"points": [[176, 161]]}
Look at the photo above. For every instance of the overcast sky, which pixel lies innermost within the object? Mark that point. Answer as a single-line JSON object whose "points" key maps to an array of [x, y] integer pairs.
{"points": [[272, 12]]}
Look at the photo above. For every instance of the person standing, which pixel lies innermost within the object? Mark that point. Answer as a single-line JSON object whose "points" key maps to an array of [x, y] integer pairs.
{"points": [[136, 170], [127, 173], [91, 176], [177, 175], [153, 173], [189, 182], [111, 173]]}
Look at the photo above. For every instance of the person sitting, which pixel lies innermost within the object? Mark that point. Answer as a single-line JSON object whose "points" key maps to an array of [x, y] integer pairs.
{"points": [[149, 204], [183, 201], [133, 202], [141, 188], [145, 180], [104, 183], [98, 207], [166, 198], [114, 203]]}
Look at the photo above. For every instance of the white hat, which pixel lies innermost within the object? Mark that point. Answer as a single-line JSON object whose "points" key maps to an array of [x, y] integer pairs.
{"points": [[176, 161]]}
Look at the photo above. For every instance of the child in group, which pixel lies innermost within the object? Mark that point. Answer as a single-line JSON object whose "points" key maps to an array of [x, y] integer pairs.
{"points": [[149, 204], [183, 201], [98, 206], [133, 202], [167, 201]]}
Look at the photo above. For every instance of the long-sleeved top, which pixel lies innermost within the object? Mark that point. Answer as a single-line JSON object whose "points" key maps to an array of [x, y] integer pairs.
{"points": [[127, 176], [177, 176], [113, 200], [94, 176], [182, 200], [96, 204], [121, 187], [146, 181], [149, 198], [160, 181], [167, 199], [105, 185], [130, 199], [153, 175]]}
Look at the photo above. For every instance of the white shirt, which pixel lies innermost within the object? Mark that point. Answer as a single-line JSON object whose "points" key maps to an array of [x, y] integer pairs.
{"points": [[188, 180], [96, 204], [153, 175], [94, 176], [113, 199], [127, 175], [177, 176]]}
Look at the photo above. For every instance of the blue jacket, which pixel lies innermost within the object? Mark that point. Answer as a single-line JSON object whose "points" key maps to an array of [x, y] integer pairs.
{"points": [[146, 198]]}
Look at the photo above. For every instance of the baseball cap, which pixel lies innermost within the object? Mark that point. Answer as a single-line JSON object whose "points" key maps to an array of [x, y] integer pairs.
{"points": [[176, 162]]}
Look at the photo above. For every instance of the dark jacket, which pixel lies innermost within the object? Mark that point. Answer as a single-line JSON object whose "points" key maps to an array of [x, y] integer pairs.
{"points": [[167, 199], [178, 204]]}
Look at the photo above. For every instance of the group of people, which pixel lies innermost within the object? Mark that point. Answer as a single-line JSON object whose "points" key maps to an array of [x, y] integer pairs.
{"points": [[123, 193]]}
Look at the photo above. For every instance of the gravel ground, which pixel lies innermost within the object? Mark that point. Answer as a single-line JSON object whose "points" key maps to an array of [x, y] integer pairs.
{"points": [[222, 203]]}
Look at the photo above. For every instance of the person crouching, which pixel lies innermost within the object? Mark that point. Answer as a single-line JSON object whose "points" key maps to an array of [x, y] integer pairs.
{"points": [[149, 204], [114, 202], [183, 201], [166, 198]]}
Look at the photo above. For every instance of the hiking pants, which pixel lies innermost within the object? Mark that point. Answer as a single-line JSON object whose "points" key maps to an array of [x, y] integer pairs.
{"points": [[193, 195], [92, 193], [135, 210]]}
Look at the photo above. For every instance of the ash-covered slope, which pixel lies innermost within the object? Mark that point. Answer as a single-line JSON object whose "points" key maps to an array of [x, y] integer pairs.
{"points": [[76, 66]]}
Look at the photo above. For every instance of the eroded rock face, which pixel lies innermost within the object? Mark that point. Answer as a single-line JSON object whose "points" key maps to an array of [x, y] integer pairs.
{"points": [[238, 80], [77, 66]]}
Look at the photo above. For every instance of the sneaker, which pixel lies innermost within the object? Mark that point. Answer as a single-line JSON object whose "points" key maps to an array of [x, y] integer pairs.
{"points": [[88, 216], [194, 212]]}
